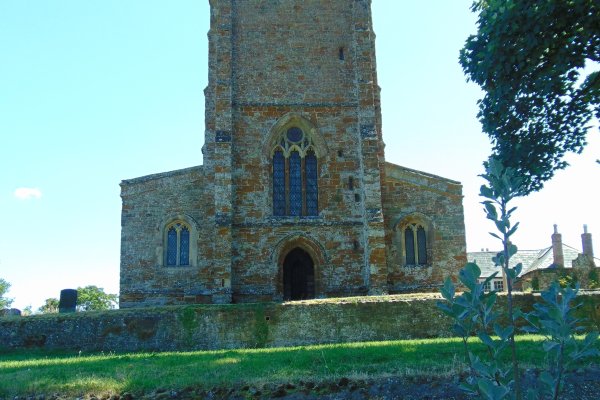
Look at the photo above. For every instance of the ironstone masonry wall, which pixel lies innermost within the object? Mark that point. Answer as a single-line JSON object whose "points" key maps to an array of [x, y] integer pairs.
{"points": [[149, 203], [272, 65], [244, 325], [408, 196], [288, 70]]}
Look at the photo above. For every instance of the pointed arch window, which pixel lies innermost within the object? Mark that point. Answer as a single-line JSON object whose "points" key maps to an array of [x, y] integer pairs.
{"points": [[312, 189], [278, 183], [409, 245], [421, 246], [178, 244], [295, 175], [415, 244]]}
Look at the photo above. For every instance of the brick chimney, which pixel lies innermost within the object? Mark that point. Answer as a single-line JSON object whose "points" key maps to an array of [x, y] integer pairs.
{"points": [[557, 248], [586, 242]]}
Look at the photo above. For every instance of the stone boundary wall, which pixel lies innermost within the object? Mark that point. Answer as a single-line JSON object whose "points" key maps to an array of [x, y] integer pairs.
{"points": [[207, 327]]}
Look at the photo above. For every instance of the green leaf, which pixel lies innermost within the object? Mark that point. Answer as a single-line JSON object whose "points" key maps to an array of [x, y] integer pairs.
{"points": [[512, 230], [490, 300], [529, 329], [444, 308], [501, 225], [469, 274], [468, 388], [486, 192], [518, 268], [512, 249], [547, 379], [485, 339], [590, 338], [584, 354], [512, 274], [490, 210], [531, 394], [491, 391], [460, 330], [506, 333], [448, 289], [499, 259], [550, 345], [495, 235]]}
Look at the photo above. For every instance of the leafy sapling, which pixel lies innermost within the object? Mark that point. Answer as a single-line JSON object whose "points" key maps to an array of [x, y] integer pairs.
{"points": [[473, 310], [504, 185], [473, 314], [470, 307], [554, 318]]}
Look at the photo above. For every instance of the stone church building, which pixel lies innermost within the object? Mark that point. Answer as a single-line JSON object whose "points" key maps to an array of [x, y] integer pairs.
{"points": [[295, 199]]}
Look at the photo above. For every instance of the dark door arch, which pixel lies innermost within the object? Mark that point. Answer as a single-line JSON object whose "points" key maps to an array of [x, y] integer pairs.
{"points": [[298, 276]]}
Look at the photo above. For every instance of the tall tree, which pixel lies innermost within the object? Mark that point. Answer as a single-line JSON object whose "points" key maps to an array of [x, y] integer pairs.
{"points": [[529, 56], [93, 298], [50, 306], [5, 302]]}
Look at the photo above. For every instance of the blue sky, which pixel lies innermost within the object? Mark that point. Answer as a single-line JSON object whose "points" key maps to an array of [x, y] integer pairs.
{"points": [[103, 90]]}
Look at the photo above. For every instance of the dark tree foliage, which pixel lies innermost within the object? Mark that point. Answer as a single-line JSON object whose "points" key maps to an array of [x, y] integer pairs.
{"points": [[50, 306], [5, 302], [528, 56], [93, 298]]}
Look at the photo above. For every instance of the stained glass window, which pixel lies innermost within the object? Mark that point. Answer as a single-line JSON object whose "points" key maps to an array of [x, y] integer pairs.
{"points": [[178, 244], [295, 183], [415, 244], [172, 246], [421, 245], [409, 245], [312, 196], [295, 174], [295, 134], [184, 246], [278, 183]]}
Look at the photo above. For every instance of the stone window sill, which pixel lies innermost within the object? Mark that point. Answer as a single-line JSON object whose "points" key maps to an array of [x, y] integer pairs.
{"points": [[416, 265]]}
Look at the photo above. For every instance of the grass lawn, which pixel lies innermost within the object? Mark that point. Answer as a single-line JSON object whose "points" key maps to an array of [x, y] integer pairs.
{"points": [[73, 374]]}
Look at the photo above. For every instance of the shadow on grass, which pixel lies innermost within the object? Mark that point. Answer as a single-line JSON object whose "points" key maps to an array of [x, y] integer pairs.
{"points": [[25, 373]]}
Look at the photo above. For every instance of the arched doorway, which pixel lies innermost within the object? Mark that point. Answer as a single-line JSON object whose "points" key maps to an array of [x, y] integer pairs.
{"points": [[298, 276]]}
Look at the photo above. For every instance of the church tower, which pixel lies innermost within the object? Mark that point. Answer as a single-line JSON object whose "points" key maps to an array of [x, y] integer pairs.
{"points": [[293, 137], [295, 199]]}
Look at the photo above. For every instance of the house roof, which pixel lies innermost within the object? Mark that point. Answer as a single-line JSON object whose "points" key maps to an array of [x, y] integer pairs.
{"points": [[531, 259], [483, 259]]}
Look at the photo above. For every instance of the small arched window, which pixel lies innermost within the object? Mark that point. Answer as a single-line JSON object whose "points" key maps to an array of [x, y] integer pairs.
{"points": [[178, 244], [295, 175], [415, 244]]}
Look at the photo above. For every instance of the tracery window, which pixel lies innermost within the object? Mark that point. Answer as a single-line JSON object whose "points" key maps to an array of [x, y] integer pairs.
{"points": [[415, 244], [178, 244], [295, 175]]}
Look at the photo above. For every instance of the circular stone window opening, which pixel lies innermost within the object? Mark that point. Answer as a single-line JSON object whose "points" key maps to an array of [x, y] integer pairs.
{"points": [[295, 135]]}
